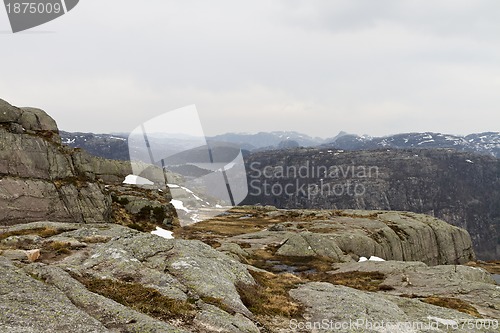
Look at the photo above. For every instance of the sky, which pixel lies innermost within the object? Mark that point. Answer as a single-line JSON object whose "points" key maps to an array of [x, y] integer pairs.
{"points": [[313, 66]]}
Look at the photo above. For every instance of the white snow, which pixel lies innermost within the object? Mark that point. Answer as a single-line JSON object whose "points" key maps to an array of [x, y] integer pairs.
{"points": [[469, 161], [163, 233], [192, 193], [173, 185], [179, 205], [372, 258], [426, 141], [137, 180]]}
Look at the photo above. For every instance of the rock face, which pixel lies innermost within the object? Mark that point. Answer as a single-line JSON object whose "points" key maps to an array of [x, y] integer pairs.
{"points": [[186, 273], [348, 235], [29, 305], [469, 284], [41, 179], [461, 188], [362, 311]]}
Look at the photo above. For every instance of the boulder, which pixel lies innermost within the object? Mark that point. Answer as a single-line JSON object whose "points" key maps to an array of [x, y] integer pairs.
{"points": [[8, 113], [34, 119]]}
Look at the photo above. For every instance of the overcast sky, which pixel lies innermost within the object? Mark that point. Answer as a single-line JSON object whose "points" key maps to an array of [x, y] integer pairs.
{"points": [[318, 67]]}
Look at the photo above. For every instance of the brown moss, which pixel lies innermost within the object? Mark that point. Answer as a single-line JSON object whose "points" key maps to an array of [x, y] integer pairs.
{"points": [[367, 281], [452, 303], [270, 296], [140, 298], [42, 232], [218, 302], [59, 247], [492, 267], [267, 259], [447, 302], [121, 216]]}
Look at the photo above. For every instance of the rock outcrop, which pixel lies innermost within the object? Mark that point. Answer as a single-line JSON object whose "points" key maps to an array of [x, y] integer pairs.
{"points": [[198, 282], [40, 179], [369, 312], [344, 236]]}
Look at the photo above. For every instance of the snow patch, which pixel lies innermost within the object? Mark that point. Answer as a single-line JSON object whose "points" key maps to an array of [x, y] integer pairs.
{"points": [[179, 205], [137, 180], [163, 233], [372, 258]]}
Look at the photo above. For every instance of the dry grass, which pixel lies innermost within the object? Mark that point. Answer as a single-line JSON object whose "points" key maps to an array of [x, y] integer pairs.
{"points": [[218, 302], [452, 303], [491, 266], [58, 247], [121, 216], [268, 260], [270, 296], [447, 302], [42, 232], [367, 281], [342, 213], [140, 298]]}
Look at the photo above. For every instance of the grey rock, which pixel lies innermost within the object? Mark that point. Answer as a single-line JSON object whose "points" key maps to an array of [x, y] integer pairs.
{"points": [[213, 319], [470, 284], [109, 171], [306, 244], [234, 250], [365, 312], [34, 119], [29, 305], [14, 254], [208, 272], [106, 311], [25, 200], [8, 113], [352, 234]]}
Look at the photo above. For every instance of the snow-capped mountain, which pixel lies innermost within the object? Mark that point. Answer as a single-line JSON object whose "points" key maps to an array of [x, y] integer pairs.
{"points": [[115, 146], [483, 143]]}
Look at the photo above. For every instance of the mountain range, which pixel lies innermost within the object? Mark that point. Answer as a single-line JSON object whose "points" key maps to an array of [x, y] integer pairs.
{"points": [[114, 146]]}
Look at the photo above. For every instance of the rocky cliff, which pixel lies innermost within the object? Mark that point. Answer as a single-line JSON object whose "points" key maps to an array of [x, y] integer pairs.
{"points": [[42, 179], [461, 188]]}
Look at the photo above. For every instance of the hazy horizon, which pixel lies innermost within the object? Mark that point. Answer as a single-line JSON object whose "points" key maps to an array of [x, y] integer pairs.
{"points": [[316, 67]]}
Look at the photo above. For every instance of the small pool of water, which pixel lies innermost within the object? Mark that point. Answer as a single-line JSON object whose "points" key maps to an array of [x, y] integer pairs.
{"points": [[279, 267], [496, 277]]}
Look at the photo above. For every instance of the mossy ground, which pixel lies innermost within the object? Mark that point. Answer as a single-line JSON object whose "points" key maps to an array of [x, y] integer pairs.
{"points": [[140, 298], [447, 302]]}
